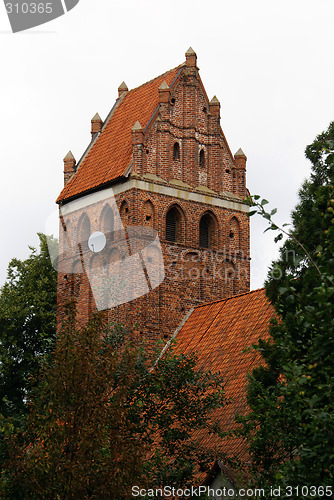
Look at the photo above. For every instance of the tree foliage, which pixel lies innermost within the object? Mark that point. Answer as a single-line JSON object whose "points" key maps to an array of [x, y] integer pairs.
{"points": [[27, 333], [291, 423], [102, 420], [28, 302]]}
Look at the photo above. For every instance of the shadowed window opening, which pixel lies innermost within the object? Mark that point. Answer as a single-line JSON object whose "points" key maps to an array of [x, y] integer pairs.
{"points": [[207, 231], [202, 158], [204, 232], [172, 223], [176, 151]]}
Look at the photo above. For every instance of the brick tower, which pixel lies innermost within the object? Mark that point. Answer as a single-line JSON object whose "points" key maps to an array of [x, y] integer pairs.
{"points": [[160, 160]]}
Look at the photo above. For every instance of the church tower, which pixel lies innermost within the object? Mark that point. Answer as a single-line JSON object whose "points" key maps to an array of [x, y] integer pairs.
{"points": [[159, 161]]}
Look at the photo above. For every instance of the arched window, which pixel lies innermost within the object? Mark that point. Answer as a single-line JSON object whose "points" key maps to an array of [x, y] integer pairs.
{"points": [[83, 231], [202, 158], [173, 225], [107, 222], [176, 151], [206, 231]]}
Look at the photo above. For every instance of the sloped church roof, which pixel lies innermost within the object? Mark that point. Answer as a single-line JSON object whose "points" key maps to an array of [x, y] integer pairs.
{"points": [[110, 154], [219, 333]]}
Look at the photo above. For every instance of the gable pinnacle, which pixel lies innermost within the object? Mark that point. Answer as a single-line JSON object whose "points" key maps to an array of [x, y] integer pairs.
{"points": [[69, 167], [96, 125], [137, 127], [214, 100], [164, 86], [190, 52], [240, 153], [122, 89], [164, 93], [123, 86], [191, 58], [69, 156], [96, 118]]}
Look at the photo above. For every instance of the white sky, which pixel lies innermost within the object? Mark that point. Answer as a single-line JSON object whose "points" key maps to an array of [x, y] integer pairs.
{"points": [[270, 63]]}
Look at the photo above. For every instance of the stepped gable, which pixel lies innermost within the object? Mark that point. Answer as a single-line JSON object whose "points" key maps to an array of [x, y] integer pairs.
{"points": [[219, 332], [110, 155]]}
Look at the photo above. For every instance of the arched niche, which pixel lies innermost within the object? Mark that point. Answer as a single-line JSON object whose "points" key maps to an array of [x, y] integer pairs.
{"points": [[107, 222], [125, 212], [176, 151], [148, 214], [83, 232], [208, 231], [174, 225]]}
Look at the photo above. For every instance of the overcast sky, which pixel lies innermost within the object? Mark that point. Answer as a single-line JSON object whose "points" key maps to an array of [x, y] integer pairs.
{"points": [[270, 63]]}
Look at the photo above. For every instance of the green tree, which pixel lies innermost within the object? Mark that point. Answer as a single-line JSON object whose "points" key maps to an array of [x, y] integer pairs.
{"points": [[28, 302], [290, 426], [107, 415]]}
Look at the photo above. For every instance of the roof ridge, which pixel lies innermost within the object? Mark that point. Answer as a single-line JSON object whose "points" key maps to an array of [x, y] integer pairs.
{"points": [[156, 77], [230, 297]]}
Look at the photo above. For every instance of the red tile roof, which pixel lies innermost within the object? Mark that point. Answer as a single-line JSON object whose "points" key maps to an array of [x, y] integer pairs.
{"points": [[110, 155], [219, 332]]}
